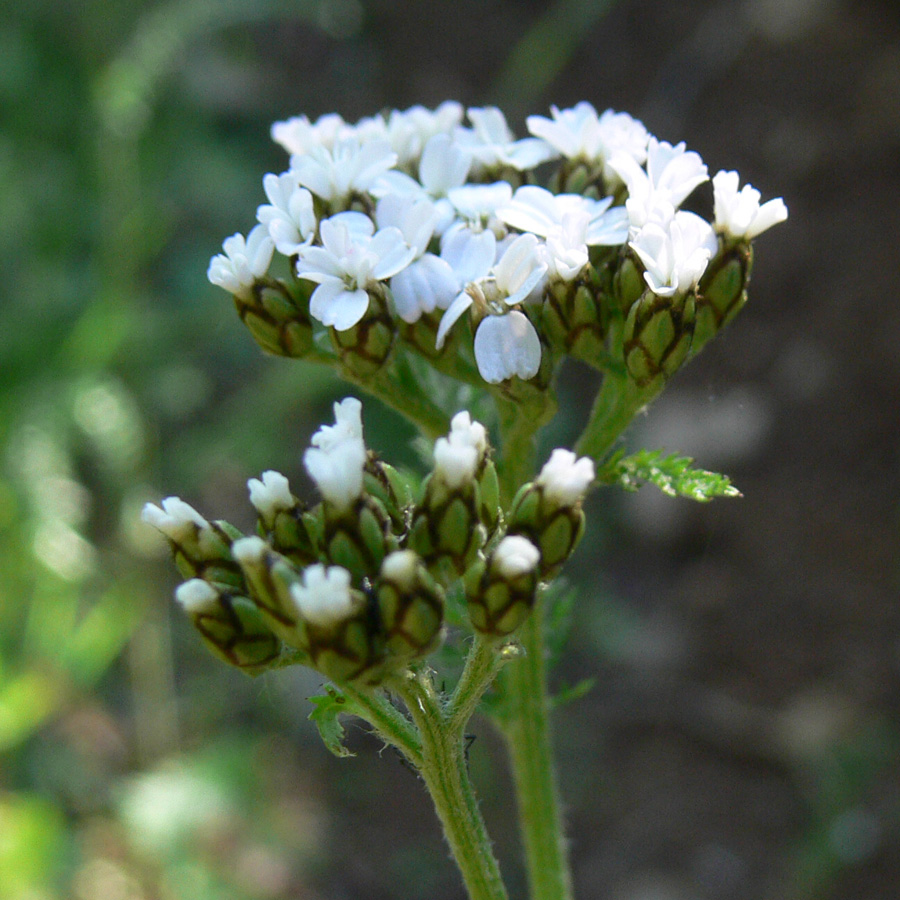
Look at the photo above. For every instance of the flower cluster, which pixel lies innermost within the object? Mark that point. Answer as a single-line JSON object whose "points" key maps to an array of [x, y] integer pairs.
{"points": [[437, 215], [356, 586]]}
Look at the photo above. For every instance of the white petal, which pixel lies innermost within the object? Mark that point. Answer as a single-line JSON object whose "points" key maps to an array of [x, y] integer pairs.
{"points": [[506, 346], [454, 311], [332, 304]]}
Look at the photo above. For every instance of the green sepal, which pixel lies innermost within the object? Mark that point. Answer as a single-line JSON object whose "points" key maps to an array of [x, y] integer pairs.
{"points": [[489, 491], [358, 538], [411, 609], [349, 650], [327, 710], [290, 536], [364, 348], [393, 490], [277, 320], [269, 586], [628, 281], [722, 291], [672, 474], [657, 337], [236, 633]]}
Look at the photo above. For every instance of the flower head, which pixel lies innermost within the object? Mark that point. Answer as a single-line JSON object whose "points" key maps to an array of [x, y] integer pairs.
{"points": [[244, 261], [676, 255], [738, 212], [492, 143], [270, 495], [458, 456], [352, 259], [323, 598], [288, 217], [565, 478], [347, 168], [337, 457]]}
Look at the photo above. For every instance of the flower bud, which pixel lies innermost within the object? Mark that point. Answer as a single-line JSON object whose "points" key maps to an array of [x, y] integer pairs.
{"points": [[340, 630], [500, 590], [575, 318], [269, 577], [364, 348], [411, 606], [281, 517], [230, 625], [548, 511], [722, 291], [449, 523], [657, 336], [277, 320], [201, 549]]}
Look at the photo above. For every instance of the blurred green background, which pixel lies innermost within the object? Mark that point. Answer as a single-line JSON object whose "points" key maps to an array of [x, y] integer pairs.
{"points": [[742, 737]]}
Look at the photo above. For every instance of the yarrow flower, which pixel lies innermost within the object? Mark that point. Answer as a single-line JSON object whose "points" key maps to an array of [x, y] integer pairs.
{"points": [[352, 259], [675, 255], [458, 456], [738, 212], [565, 478], [337, 457], [506, 343], [289, 216], [244, 261], [324, 597], [270, 495]]}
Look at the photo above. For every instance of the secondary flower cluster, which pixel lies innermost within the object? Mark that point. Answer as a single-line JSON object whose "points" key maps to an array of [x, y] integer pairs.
{"points": [[417, 217], [356, 587]]}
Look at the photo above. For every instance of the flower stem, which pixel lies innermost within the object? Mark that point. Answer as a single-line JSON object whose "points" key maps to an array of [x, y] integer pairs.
{"points": [[618, 401], [443, 768], [527, 733], [526, 728]]}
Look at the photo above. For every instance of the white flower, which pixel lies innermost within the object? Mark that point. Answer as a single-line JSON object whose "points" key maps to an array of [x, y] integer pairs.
{"points": [[492, 143], [579, 133], [289, 216], [671, 174], [347, 168], [243, 262], [564, 478], [515, 556], [324, 598], [177, 520], [196, 596], [337, 457], [569, 222], [506, 342], [476, 207], [249, 551], [675, 256], [270, 495], [428, 282], [506, 283], [738, 212], [298, 135], [410, 130], [351, 259], [458, 456]]}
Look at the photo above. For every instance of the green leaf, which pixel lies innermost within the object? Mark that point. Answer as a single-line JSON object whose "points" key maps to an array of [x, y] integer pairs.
{"points": [[571, 692], [327, 709], [672, 474]]}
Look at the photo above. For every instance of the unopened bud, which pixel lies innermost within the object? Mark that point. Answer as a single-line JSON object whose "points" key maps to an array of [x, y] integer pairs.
{"points": [[341, 633], [657, 336], [278, 321], [501, 590], [230, 625], [201, 549], [281, 517], [411, 605], [548, 511]]}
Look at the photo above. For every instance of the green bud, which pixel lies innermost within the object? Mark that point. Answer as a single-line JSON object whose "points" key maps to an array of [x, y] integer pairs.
{"points": [[489, 491], [575, 317], [447, 523], [278, 322], [722, 291], [359, 537], [411, 606], [269, 577], [500, 590], [230, 625], [364, 348], [628, 281], [657, 336]]}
